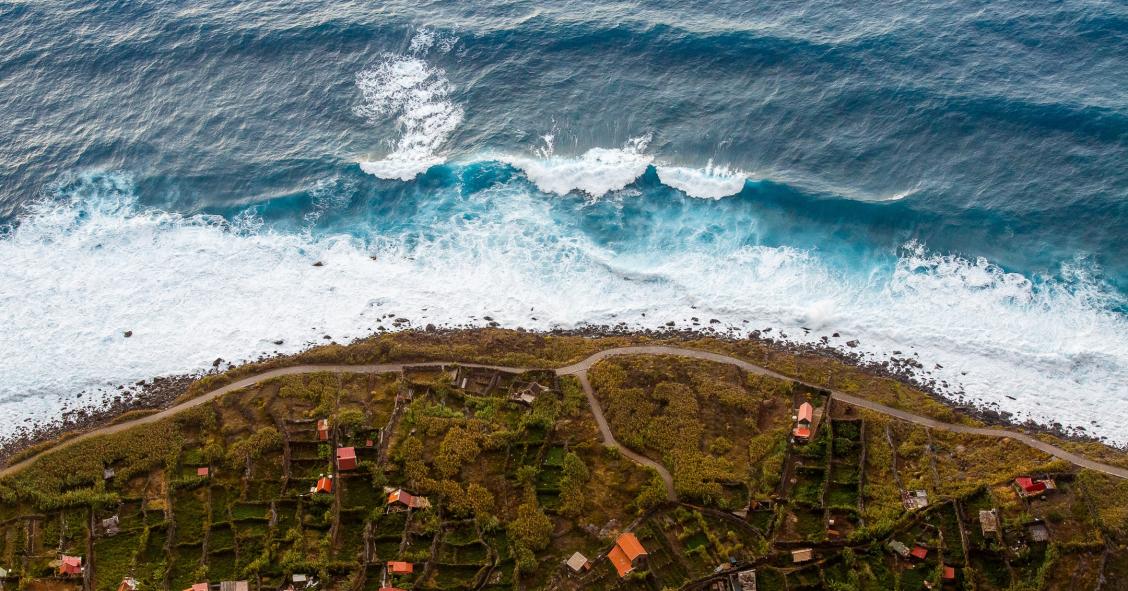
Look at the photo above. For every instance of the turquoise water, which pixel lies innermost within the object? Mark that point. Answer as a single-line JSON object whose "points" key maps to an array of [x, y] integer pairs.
{"points": [[940, 179]]}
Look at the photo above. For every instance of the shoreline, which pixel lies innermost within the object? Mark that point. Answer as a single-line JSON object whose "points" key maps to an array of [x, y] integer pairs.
{"points": [[159, 393]]}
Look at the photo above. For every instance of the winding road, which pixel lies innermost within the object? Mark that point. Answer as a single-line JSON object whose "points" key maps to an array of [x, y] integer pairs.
{"points": [[580, 371]]}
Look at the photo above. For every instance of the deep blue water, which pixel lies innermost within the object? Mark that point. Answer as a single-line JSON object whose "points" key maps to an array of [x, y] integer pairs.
{"points": [[949, 178]]}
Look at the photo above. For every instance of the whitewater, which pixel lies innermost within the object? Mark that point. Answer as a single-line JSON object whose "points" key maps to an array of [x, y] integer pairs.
{"points": [[91, 263], [322, 177]]}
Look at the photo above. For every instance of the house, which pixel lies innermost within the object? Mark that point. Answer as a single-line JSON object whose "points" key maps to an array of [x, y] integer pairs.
{"points": [[323, 429], [346, 458], [899, 549], [626, 554], [528, 393], [802, 555], [324, 485], [128, 584], [110, 525], [949, 573], [107, 473], [914, 499], [919, 552], [578, 563], [202, 471], [234, 586], [402, 500], [401, 568], [803, 419], [198, 587], [1030, 487], [989, 522], [70, 565]]}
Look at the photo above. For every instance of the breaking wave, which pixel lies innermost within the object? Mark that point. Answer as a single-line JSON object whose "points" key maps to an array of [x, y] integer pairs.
{"points": [[91, 262]]}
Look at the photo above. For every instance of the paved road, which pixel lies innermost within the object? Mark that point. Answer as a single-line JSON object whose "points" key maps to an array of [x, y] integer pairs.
{"points": [[580, 370]]}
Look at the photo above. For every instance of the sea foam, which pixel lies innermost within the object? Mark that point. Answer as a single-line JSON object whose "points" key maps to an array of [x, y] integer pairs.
{"points": [[417, 95], [89, 263]]}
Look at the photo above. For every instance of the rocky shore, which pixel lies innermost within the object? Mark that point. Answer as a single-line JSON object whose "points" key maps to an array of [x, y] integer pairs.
{"points": [[159, 393]]}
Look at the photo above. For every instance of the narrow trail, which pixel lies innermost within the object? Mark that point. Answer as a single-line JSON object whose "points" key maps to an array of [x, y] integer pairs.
{"points": [[580, 371]]}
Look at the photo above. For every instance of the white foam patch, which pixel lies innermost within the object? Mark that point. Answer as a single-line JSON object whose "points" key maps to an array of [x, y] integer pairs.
{"points": [[597, 172], [711, 182], [81, 269], [417, 96]]}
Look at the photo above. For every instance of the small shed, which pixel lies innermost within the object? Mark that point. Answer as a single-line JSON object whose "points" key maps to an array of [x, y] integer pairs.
{"points": [[989, 522], [324, 485], [198, 587], [107, 473], [949, 573], [346, 458], [403, 499], [899, 549], [70, 565], [128, 584], [234, 586], [919, 552], [400, 568], [323, 429], [802, 555], [203, 472], [111, 525], [578, 562], [1038, 532]]}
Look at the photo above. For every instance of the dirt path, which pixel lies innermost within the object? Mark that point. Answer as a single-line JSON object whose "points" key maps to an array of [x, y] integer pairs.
{"points": [[580, 370]]}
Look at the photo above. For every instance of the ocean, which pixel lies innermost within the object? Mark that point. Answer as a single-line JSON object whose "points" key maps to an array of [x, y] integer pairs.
{"points": [[941, 180]]}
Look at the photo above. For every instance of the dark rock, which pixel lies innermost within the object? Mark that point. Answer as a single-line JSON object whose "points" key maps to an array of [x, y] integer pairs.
{"points": [[431, 327], [852, 344], [319, 264], [279, 342], [127, 333], [217, 361]]}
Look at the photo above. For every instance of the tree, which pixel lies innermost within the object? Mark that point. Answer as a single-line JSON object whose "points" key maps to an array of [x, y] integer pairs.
{"points": [[532, 528]]}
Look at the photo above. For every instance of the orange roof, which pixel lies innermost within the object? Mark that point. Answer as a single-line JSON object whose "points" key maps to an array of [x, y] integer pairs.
{"points": [[920, 552], [619, 559], [949, 573], [803, 432], [198, 587], [806, 412], [631, 546], [400, 568], [202, 471], [324, 484]]}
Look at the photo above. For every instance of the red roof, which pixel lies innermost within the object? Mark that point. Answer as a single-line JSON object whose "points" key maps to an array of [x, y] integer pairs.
{"points": [[390, 589], [323, 429], [407, 499], [400, 568], [802, 432], [806, 412], [324, 485], [346, 453], [949, 573], [202, 471], [920, 552], [1030, 485], [70, 565]]}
